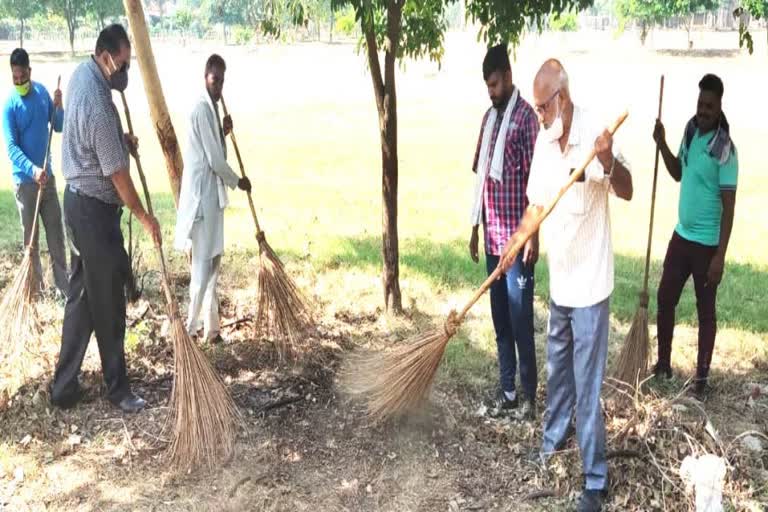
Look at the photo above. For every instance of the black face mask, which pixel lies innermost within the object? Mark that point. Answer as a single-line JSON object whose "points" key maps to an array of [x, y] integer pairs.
{"points": [[119, 79]]}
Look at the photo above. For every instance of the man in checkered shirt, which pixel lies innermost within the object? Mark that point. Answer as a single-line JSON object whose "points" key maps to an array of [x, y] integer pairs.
{"points": [[95, 164], [502, 162]]}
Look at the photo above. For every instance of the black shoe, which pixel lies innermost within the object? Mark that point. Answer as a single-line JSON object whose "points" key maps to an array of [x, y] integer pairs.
{"points": [[132, 404], [590, 501], [65, 401], [500, 405], [662, 371]]}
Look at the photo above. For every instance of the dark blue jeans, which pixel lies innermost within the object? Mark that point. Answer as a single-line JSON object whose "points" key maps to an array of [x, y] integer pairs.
{"points": [[512, 313]]}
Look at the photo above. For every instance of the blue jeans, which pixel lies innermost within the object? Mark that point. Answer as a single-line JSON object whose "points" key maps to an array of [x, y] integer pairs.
{"points": [[512, 313], [577, 347]]}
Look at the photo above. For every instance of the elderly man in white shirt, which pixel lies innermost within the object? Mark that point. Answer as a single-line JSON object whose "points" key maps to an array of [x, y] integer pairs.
{"points": [[577, 238], [200, 218]]}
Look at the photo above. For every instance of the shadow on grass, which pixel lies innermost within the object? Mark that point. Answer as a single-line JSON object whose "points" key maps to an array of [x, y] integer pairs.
{"points": [[447, 265]]}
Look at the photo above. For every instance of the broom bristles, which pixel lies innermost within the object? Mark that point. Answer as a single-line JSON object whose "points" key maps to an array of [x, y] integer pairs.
{"points": [[398, 381], [283, 313], [204, 414], [19, 326], [632, 364]]}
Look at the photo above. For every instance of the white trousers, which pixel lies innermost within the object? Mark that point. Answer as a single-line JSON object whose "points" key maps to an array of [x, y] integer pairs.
{"points": [[203, 300]]}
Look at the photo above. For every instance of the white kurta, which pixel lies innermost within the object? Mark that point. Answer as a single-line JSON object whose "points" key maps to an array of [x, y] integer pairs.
{"points": [[203, 194], [200, 219]]}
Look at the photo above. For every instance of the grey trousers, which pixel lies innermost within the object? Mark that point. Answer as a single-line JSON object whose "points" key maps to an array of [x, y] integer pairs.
{"points": [[577, 348], [50, 218]]}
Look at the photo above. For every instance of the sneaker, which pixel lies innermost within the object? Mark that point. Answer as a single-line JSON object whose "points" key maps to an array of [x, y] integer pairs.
{"points": [[500, 405], [662, 371], [590, 501]]}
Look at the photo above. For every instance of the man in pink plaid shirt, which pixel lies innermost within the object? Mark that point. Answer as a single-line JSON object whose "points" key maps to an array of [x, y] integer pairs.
{"points": [[502, 163]]}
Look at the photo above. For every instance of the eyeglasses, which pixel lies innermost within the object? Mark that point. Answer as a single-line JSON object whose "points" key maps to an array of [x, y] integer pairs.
{"points": [[541, 108]]}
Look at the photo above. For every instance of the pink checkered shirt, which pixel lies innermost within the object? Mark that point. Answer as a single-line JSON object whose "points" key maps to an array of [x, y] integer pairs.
{"points": [[504, 203]]}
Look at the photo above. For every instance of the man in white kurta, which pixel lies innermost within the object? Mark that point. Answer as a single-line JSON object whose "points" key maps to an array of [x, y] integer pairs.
{"points": [[200, 218]]}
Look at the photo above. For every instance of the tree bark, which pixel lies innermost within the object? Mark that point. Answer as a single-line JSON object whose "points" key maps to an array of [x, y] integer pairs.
{"points": [[385, 92], [158, 109]]}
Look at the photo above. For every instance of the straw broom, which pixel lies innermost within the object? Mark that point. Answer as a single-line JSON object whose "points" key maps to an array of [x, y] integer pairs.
{"points": [[632, 364], [203, 412], [18, 319], [282, 311], [399, 380]]}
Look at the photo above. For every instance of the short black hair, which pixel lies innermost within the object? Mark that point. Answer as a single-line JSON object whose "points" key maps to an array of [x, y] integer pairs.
{"points": [[20, 57], [712, 83], [497, 59], [215, 61], [112, 39]]}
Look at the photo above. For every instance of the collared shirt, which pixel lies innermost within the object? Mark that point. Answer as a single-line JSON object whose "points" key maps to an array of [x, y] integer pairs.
{"points": [[504, 202], [203, 195], [93, 147], [700, 207], [577, 234], [25, 125]]}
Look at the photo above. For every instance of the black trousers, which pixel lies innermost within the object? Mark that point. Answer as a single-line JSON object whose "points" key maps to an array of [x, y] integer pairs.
{"points": [[95, 299]]}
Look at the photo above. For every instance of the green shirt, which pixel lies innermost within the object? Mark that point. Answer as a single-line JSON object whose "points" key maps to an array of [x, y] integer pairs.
{"points": [[704, 177]]}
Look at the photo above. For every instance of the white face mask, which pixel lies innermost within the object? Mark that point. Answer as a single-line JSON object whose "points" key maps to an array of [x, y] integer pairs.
{"points": [[555, 130]]}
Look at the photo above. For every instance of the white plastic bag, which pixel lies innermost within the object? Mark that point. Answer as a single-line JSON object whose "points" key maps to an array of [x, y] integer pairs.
{"points": [[704, 476]]}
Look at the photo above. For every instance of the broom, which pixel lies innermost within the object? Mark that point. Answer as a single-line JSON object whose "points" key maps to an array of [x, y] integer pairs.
{"points": [[632, 364], [399, 380], [203, 412], [282, 311], [18, 321]]}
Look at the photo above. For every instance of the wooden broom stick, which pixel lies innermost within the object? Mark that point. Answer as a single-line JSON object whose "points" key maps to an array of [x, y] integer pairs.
{"points": [[242, 170]]}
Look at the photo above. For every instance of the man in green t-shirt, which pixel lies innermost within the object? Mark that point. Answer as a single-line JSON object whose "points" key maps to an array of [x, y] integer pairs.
{"points": [[707, 168]]}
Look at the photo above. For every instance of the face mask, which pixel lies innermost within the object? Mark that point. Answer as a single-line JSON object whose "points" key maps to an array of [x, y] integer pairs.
{"points": [[23, 89], [119, 80], [555, 130]]}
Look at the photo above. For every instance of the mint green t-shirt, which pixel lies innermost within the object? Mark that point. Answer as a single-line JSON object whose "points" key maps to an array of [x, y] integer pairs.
{"points": [[701, 207]]}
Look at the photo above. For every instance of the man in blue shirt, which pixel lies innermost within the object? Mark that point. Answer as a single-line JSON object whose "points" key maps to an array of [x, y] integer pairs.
{"points": [[28, 111]]}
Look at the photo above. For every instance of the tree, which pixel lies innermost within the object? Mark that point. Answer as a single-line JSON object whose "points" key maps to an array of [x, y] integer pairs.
{"points": [[102, 10], [757, 9], [72, 11], [401, 29], [158, 109], [645, 13], [687, 8], [21, 10]]}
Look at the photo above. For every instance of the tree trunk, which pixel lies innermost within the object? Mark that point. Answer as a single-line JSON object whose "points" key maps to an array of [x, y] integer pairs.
{"points": [[643, 33], [71, 27], [386, 103], [330, 30], [158, 109], [21, 34]]}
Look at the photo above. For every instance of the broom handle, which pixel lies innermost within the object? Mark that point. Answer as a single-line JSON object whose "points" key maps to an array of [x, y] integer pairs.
{"points": [[45, 169], [539, 219], [242, 169], [166, 281], [653, 200]]}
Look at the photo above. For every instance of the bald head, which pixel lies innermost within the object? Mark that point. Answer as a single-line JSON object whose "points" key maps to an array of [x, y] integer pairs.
{"points": [[551, 95], [551, 75]]}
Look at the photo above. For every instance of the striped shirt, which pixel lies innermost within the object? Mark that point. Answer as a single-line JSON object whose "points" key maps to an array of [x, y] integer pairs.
{"points": [[577, 234], [93, 147], [504, 202]]}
